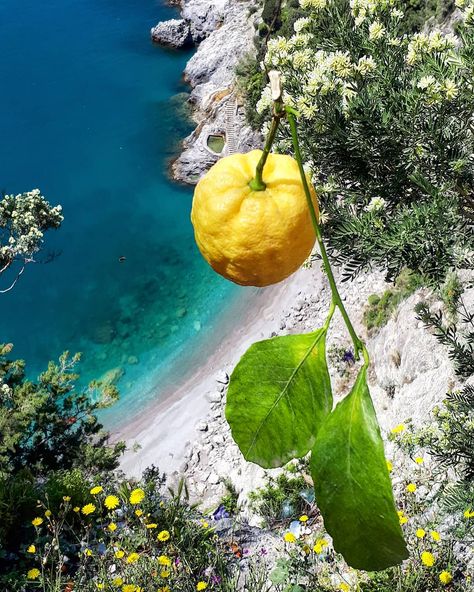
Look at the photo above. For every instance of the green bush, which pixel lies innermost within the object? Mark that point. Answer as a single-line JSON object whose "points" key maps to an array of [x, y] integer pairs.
{"points": [[250, 82], [281, 498], [383, 129], [51, 441], [381, 308]]}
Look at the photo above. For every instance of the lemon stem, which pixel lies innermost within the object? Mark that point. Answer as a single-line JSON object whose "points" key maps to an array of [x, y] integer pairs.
{"points": [[257, 183], [336, 298]]}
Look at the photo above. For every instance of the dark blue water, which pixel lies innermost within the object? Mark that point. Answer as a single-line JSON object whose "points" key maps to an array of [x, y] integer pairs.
{"points": [[90, 113]]}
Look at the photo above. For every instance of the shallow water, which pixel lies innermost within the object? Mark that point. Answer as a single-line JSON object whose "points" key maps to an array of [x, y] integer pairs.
{"points": [[90, 112]]}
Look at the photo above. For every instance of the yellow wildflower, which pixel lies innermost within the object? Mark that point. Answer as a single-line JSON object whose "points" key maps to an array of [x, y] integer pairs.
{"points": [[165, 573], [164, 560], [97, 489], [468, 513], [398, 429], [419, 460], [76, 509], [117, 581], [112, 526], [111, 502], [201, 586], [403, 520], [304, 518], [33, 574], [136, 496], [151, 526], [411, 488], [319, 546], [100, 586], [129, 588], [119, 554], [204, 524], [88, 509], [389, 465], [164, 589], [427, 558], [289, 537], [420, 533], [435, 535], [138, 513], [445, 577], [66, 498], [37, 521], [48, 513], [133, 558], [400, 513], [163, 536], [344, 587], [31, 549]]}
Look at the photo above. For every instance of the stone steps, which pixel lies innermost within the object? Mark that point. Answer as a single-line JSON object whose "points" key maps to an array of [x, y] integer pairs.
{"points": [[230, 127]]}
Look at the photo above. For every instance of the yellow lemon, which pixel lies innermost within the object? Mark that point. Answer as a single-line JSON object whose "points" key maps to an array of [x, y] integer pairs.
{"points": [[254, 238]]}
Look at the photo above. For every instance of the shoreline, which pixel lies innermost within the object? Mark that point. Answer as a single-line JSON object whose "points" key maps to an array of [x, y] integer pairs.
{"points": [[167, 426]]}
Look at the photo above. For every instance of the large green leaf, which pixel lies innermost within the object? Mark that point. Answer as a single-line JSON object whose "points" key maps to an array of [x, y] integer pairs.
{"points": [[279, 395], [352, 484]]}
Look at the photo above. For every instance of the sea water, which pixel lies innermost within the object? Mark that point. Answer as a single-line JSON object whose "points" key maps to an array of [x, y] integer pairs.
{"points": [[91, 112]]}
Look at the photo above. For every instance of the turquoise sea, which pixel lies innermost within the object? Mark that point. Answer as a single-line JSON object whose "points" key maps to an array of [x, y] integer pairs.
{"points": [[90, 113]]}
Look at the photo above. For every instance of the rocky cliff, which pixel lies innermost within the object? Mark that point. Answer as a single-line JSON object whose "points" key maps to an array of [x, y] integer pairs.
{"points": [[223, 30]]}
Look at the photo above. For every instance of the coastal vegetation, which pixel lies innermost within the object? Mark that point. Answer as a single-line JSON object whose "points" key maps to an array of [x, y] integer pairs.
{"points": [[24, 218], [383, 120]]}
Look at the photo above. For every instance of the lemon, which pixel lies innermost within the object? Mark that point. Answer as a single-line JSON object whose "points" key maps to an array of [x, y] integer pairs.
{"points": [[253, 238]]}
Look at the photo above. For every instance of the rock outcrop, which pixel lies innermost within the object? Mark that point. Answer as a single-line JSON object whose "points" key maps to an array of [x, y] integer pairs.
{"points": [[173, 33], [224, 30]]}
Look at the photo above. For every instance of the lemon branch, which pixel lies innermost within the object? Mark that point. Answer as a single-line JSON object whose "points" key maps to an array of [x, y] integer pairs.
{"points": [[257, 183], [336, 298]]}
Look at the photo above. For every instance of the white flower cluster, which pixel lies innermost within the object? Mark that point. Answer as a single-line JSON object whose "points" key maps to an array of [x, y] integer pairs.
{"points": [[6, 390], [424, 44], [376, 204], [363, 9], [435, 92], [315, 72], [313, 4], [23, 220]]}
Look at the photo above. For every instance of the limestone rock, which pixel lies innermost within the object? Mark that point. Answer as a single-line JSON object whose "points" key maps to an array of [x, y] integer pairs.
{"points": [[173, 33], [226, 28]]}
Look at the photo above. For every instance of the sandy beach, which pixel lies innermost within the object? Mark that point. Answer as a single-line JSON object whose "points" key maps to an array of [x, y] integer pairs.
{"points": [[167, 427]]}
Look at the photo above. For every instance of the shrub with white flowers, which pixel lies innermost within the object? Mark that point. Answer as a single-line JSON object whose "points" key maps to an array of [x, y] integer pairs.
{"points": [[386, 124], [24, 218]]}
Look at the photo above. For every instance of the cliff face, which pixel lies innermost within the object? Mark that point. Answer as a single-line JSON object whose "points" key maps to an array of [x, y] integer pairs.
{"points": [[224, 31]]}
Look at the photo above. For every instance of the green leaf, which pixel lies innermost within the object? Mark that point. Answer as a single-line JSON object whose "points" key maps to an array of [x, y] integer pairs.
{"points": [[352, 484], [280, 574], [279, 395]]}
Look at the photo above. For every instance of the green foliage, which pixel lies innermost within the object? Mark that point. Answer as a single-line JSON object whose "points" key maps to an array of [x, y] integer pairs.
{"points": [[51, 441], [383, 123], [160, 541], [458, 338], [450, 439], [47, 425], [351, 480], [451, 292], [278, 397], [271, 13], [230, 499], [381, 308], [251, 81], [282, 498]]}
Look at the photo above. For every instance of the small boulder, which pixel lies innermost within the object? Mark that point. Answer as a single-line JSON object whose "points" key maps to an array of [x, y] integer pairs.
{"points": [[173, 33]]}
